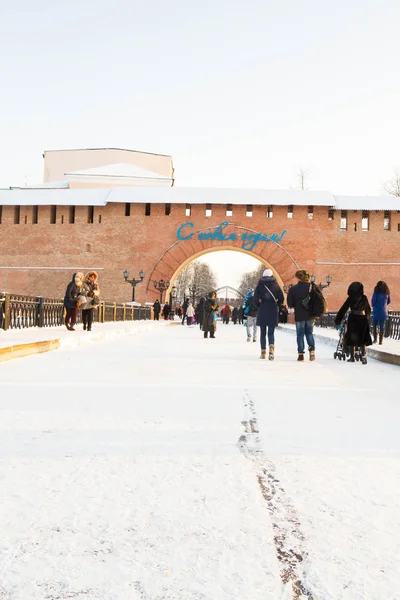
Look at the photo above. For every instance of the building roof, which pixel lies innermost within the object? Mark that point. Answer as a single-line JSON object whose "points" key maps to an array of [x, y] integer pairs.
{"points": [[114, 171], [119, 149], [180, 195]]}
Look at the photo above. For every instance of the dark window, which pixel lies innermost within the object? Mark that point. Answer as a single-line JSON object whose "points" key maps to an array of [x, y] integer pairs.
{"points": [[90, 215], [249, 210], [167, 210], [290, 212], [343, 220], [17, 215], [270, 212], [99, 218], [72, 214], [147, 209], [208, 210], [128, 209], [62, 219], [35, 215], [398, 226], [386, 220], [88, 247], [26, 219], [331, 214], [229, 211], [53, 215], [310, 212], [1, 214], [355, 227], [365, 221], [188, 210]]}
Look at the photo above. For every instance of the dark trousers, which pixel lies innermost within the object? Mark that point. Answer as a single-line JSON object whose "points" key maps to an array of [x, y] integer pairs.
{"points": [[156, 316], [378, 323], [87, 317], [263, 335], [72, 316]]}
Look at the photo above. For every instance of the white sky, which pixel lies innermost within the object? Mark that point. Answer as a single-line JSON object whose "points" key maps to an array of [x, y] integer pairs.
{"points": [[229, 266], [240, 94]]}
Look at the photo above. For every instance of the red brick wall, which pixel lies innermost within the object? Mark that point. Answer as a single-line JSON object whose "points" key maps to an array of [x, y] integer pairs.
{"points": [[137, 242]]}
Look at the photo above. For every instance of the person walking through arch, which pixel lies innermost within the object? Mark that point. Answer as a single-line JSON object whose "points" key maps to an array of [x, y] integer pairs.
{"points": [[227, 313], [166, 310], [302, 316], [184, 309], [157, 310], [268, 296], [235, 315], [200, 312], [357, 333], [250, 312], [380, 301], [210, 315]]}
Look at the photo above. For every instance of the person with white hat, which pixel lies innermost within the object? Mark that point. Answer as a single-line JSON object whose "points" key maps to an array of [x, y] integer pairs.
{"points": [[268, 297]]}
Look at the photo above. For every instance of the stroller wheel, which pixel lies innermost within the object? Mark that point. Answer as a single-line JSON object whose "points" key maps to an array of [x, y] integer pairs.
{"points": [[335, 355]]}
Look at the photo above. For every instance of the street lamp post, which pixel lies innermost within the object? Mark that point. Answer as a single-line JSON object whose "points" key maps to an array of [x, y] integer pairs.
{"points": [[133, 282], [161, 286], [322, 286]]}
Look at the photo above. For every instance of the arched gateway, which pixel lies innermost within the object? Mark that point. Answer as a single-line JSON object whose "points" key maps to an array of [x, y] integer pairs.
{"points": [[237, 238]]}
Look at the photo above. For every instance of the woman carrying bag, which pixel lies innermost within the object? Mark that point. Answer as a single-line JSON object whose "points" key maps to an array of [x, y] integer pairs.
{"points": [[268, 297]]}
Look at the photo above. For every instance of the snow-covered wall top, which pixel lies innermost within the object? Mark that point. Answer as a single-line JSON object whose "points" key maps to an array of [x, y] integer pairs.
{"points": [[181, 195]]}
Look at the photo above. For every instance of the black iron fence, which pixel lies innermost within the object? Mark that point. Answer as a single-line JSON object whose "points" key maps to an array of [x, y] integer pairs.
{"points": [[20, 312], [392, 326]]}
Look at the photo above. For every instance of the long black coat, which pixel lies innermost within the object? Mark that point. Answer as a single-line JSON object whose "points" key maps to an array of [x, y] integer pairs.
{"points": [[71, 294], [210, 309], [268, 309], [357, 333]]}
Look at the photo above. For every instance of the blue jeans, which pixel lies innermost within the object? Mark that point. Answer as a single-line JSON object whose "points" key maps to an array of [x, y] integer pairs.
{"points": [[263, 335], [304, 328], [378, 323]]}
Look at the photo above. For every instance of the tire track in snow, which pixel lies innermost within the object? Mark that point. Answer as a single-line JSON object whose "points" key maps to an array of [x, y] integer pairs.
{"points": [[289, 539]]}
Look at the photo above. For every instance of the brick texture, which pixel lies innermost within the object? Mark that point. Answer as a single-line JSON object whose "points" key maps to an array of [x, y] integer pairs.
{"points": [[47, 254]]}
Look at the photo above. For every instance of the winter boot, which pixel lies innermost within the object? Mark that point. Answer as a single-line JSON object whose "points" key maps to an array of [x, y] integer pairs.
{"points": [[263, 354], [84, 327], [364, 359], [206, 334], [352, 355], [212, 335], [271, 348], [255, 339], [300, 357], [249, 338], [312, 353], [375, 334], [380, 338]]}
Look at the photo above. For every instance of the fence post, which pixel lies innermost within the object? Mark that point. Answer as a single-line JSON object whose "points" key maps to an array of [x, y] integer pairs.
{"points": [[6, 323], [387, 327], [103, 311], [115, 311], [124, 312], [39, 311]]}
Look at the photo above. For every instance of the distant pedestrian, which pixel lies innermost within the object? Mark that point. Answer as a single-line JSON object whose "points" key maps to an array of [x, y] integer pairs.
{"points": [[268, 296], [227, 313], [283, 314], [210, 315], [166, 310], [157, 310], [241, 315], [357, 333], [91, 291], [184, 310], [235, 315], [250, 311], [302, 316], [380, 314], [71, 302], [190, 314]]}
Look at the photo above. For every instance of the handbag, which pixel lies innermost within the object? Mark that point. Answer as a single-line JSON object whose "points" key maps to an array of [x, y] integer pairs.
{"points": [[306, 302]]}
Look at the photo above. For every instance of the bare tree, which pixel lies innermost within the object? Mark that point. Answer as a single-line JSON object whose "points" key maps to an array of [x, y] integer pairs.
{"points": [[302, 176], [195, 280], [392, 186], [250, 280]]}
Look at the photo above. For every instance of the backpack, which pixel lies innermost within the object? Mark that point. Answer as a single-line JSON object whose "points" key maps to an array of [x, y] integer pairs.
{"points": [[317, 303]]}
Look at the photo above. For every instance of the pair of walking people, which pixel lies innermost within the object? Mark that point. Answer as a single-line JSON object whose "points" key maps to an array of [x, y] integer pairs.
{"points": [[81, 293]]}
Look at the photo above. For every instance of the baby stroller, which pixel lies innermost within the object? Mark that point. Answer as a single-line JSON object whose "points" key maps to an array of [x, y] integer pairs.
{"points": [[342, 352]]}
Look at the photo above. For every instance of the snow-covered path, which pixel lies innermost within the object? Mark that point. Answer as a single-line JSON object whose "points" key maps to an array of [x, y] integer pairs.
{"points": [[168, 467]]}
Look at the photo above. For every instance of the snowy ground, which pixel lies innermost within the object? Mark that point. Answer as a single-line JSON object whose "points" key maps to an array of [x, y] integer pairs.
{"points": [[163, 466]]}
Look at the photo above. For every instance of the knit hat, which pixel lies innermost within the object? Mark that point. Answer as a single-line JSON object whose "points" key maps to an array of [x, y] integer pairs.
{"points": [[267, 273]]}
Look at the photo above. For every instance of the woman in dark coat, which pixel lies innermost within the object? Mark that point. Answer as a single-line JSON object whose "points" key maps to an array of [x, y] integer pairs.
{"points": [[200, 312], [210, 313], [380, 314], [235, 315], [357, 333], [71, 303], [166, 311], [268, 297], [157, 310]]}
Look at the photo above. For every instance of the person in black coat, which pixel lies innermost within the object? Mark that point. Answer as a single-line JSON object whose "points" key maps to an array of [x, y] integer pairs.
{"points": [[235, 315], [357, 332], [71, 300], [200, 312], [302, 316], [210, 314], [268, 296], [184, 310], [157, 310], [166, 311]]}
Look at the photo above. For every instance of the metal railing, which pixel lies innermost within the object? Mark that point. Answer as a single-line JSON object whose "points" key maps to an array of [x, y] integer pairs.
{"points": [[21, 312], [392, 326]]}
